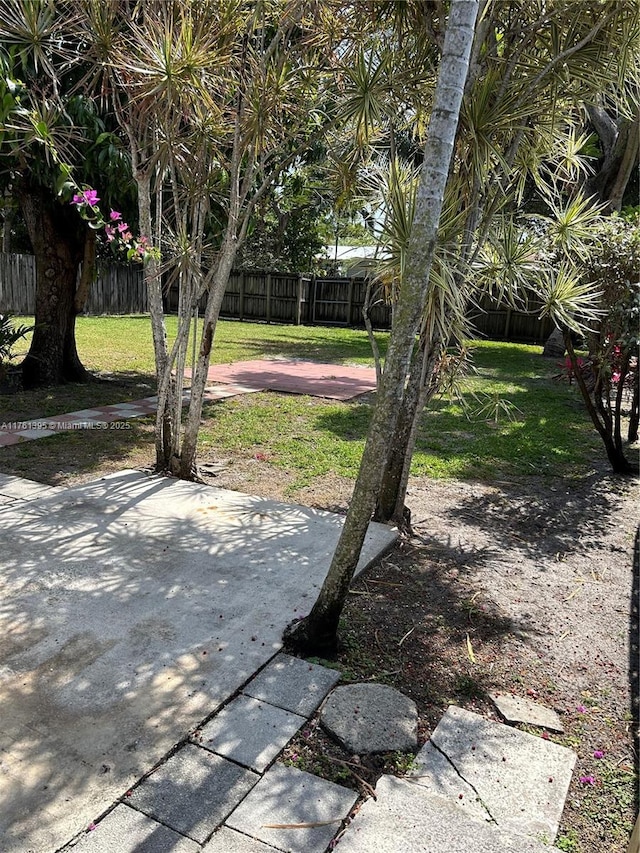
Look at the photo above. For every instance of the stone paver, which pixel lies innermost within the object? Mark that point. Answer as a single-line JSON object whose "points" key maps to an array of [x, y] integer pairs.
{"points": [[125, 830], [433, 772], [518, 709], [407, 819], [370, 718], [291, 797], [521, 779], [227, 840], [293, 684], [193, 791], [250, 732]]}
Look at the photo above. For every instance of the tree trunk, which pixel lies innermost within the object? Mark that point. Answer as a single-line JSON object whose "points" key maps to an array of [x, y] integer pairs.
{"points": [[318, 632], [600, 417], [58, 239]]}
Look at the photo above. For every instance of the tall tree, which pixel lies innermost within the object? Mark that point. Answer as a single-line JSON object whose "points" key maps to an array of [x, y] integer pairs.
{"points": [[217, 100], [318, 631], [43, 121]]}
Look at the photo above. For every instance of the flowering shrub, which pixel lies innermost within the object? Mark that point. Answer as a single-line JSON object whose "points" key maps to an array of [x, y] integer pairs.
{"points": [[117, 233]]}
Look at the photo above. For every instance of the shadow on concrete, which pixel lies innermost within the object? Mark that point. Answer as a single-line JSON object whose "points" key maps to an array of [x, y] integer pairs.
{"points": [[131, 608]]}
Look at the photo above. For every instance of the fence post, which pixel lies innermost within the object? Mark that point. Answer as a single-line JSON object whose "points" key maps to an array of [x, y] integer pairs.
{"points": [[507, 323], [312, 290], [241, 298], [299, 302], [268, 288], [350, 305]]}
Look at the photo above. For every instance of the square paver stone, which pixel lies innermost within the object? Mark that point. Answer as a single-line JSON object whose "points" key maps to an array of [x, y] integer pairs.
{"points": [[227, 840], [193, 791], [311, 808], [250, 732], [127, 831], [293, 684], [522, 780]]}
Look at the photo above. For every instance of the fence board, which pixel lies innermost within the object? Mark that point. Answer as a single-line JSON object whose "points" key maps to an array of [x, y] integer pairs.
{"points": [[256, 295]]}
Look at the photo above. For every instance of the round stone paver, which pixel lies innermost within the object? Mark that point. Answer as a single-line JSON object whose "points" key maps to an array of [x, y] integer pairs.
{"points": [[371, 718]]}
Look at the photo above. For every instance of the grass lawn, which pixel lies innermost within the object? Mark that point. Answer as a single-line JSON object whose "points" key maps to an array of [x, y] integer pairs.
{"points": [[517, 420]]}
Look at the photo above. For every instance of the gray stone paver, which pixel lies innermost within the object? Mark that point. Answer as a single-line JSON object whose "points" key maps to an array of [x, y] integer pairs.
{"points": [[293, 684], [438, 776], [369, 718], [250, 732], [519, 709], [227, 840], [521, 779], [193, 791], [125, 830], [407, 819], [286, 795]]}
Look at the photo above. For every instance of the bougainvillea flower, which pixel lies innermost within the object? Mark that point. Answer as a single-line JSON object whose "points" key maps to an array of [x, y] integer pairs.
{"points": [[110, 231], [581, 709], [588, 780], [598, 753], [123, 227], [114, 216]]}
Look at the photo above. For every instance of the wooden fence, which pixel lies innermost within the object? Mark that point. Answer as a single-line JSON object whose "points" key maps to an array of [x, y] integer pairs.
{"points": [[117, 290], [263, 296]]}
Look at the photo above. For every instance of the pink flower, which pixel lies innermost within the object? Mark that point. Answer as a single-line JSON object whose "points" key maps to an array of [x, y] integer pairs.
{"points": [[588, 780], [110, 231], [127, 237], [122, 226], [598, 753], [581, 709], [114, 216], [91, 827], [87, 196]]}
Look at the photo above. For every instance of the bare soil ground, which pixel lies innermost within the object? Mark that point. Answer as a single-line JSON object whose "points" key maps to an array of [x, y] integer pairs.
{"points": [[537, 573]]}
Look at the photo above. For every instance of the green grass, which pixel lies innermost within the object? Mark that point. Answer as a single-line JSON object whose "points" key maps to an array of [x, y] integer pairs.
{"points": [[123, 345], [551, 434], [541, 429]]}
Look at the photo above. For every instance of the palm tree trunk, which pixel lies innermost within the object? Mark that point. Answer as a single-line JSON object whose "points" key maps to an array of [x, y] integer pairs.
{"points": [[318, 632]]}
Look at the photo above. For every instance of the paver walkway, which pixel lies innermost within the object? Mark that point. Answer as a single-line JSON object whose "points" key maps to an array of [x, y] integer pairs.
{"points": [[338, 382]]}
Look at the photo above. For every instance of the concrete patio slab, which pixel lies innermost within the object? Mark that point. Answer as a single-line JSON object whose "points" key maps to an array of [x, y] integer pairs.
{"points": [[522, 780], [293, 810], [435, 773], [229, 841], [130, 609], [193, 792], [125, 830], [250, 732], [293, 684], [407, 818], [18, 488]]}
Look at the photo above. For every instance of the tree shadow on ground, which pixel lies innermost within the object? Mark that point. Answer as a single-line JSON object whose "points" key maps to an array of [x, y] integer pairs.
{"points": [[547, 517]]}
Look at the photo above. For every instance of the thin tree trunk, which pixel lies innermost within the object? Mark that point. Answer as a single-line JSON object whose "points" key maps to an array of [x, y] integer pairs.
{"points": [[600, 416], [318, 632], [153, 282]]}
